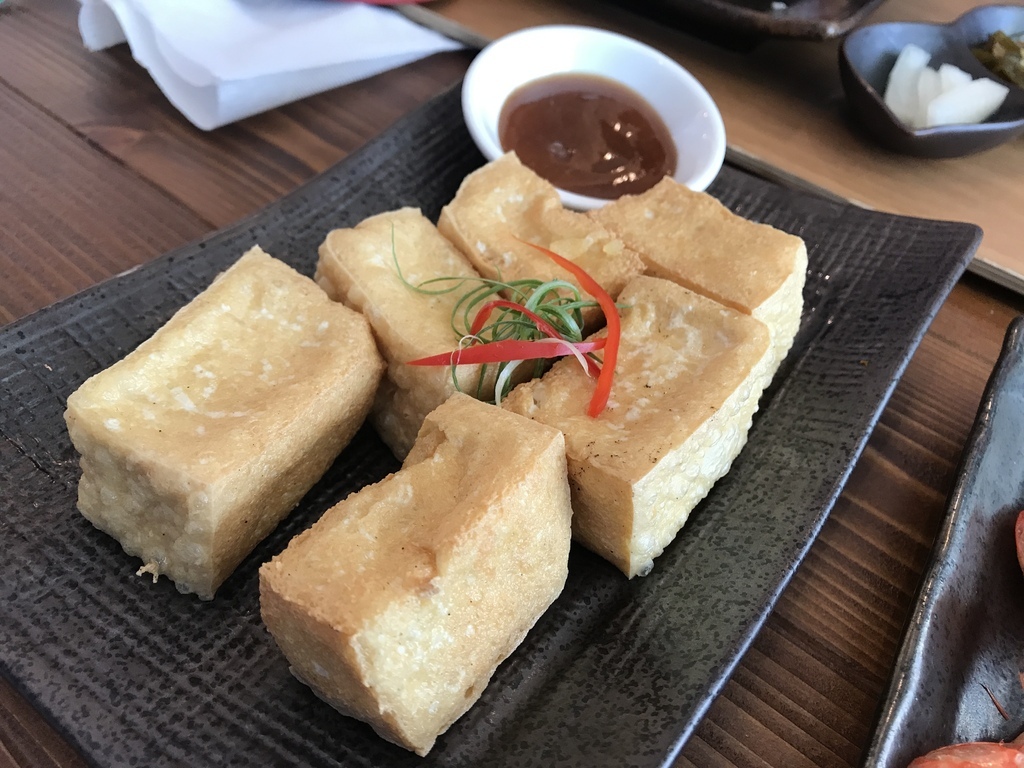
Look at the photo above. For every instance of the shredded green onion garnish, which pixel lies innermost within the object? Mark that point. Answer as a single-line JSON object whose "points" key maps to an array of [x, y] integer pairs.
{"points": [[557, 302]]}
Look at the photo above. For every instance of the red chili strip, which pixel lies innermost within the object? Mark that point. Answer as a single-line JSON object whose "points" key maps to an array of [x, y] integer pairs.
{"points": [[542, 325], [508, 350], [611, 315], [481, 317]]}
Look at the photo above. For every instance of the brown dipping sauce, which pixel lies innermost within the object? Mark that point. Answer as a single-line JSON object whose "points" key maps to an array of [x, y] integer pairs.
{"points": [[587, 134]]}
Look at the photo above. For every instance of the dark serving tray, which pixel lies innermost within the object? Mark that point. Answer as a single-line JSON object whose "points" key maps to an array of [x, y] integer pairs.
{"points": [[738, 23], [616, 673], [967, 630]]}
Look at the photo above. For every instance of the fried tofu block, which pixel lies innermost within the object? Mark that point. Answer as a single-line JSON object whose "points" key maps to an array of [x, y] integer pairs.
{"points": [[397, 606], [687, 383], [199, 442], [360, 266], [692, 239], [504, 203]]}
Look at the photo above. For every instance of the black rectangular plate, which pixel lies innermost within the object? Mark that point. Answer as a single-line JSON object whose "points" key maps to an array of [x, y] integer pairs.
{"points": [[616, 673], [966, 633]]}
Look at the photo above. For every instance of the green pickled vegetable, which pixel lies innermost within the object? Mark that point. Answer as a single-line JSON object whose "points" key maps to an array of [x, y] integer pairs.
{"points": [[1003, 54]]}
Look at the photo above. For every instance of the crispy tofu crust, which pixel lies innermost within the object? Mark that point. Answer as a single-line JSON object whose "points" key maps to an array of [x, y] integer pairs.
{"points": [[397, 606], [687, 383], [504, 203], [374, 268], [196, 444], [692, 239]]}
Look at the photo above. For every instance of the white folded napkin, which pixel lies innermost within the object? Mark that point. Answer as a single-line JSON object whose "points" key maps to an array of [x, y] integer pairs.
{"points": [[218, 61]]}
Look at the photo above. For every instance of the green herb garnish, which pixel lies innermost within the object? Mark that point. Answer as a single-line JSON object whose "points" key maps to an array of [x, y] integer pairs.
{"points": [[490, 311]]}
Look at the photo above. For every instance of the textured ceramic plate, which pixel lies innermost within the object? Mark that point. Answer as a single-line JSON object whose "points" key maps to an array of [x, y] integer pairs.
{"points": [[742, 21], [967, 631], [616, 673]]}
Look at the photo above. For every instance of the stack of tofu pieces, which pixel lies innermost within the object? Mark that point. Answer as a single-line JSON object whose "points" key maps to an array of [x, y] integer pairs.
{"points": [[397, 606], [710, 303]]}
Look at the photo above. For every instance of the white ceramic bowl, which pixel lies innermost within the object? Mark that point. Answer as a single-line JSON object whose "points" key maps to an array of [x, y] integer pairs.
{"points": [[689, 112]]}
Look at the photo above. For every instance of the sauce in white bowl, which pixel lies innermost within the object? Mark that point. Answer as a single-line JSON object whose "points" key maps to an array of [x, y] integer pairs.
{"points": [[675, 97]]}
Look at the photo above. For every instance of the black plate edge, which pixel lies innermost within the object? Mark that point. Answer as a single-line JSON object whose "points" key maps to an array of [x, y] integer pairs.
{"points": [[913, 642]]}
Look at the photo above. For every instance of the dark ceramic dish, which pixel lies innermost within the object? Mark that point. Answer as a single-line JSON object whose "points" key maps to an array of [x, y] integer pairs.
{"points": [[867, 55], [738, 23], [967, 630], [616, 673]]}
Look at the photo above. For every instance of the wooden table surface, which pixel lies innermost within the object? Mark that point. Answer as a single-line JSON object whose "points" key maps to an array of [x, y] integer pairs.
{"points": [[98, 173]]}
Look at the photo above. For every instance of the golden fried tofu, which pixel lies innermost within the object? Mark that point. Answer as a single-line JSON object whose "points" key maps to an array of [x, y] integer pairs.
{"points": [[374, 268], [692, 239], [504, 203], [199, 442], [397, 606], [687, 383]]}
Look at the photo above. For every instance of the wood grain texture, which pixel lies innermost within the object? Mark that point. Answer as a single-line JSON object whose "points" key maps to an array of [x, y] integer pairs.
{"points": [[72, 216], [222, 175], [100, 173], [28, 740]]}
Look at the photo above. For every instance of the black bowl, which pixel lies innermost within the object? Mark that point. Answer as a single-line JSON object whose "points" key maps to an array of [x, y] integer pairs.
{"points": [[867, 55]]}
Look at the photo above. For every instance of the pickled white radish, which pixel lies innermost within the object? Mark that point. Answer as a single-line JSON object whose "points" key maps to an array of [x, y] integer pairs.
{"points": [[952, 76], [970, 103], [929, 88], [922, 97], [901, 90]]}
